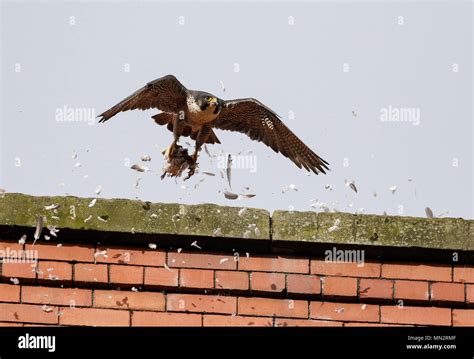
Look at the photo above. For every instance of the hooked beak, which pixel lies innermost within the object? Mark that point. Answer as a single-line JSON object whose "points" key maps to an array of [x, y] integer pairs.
{"points": [[213, 101], [216, 104]]}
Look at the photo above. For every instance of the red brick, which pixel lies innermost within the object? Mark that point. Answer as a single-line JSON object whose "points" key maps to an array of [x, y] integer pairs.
{"points": [[9, 293], [13, 248], [56, 296], [232, 280], [54, 271], [6, 324], [447, 292], [375, 289], [26, 313], [91, 273], [273, 307], [470, 294], [285, 264], [415, 315], [67, 252], [431, 272], [94, 317], [303, 284], [200, 303], [126, 275], [156, 319], [267, 282], [18, 270], [410, 290], [201, 260], [339, 287], [341, 269], [196, 279], [463, 317], [360, 324], [344, 311], [464, 274], [13, 253], [161, 277], [129, 300], [40, 325], [305, 323], [129, 256], [235, 321]]}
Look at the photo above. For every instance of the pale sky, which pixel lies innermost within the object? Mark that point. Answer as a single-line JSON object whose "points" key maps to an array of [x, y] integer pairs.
{"points": [[337, 73]]}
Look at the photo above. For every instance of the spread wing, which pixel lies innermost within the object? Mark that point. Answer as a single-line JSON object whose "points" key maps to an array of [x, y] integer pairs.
{"points": [[257, 121], [166, 94]]}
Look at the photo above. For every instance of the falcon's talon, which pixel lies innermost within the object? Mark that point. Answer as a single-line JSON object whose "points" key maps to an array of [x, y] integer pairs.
{"points": [[191, 170], [192, 165], [169, 152]]}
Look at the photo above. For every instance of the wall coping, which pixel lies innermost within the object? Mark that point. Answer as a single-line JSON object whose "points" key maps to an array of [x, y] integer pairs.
{"points": [[129, 222]]}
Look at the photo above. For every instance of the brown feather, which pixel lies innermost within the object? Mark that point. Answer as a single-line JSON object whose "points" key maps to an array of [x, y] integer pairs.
{"points": [[166, 94], [260, 123], [167, 119]]}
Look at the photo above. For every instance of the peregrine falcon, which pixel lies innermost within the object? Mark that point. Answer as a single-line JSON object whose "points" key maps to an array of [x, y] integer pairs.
{"points": [[196, 114]]}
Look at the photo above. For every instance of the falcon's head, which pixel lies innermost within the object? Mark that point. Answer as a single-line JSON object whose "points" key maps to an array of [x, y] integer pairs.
{"points": [[209, 103]]}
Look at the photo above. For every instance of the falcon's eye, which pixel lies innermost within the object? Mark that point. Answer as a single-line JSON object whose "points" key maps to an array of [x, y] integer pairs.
{"points": [[208, 98]]}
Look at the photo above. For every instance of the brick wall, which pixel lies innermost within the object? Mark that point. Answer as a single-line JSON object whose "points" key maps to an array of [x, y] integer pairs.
{"points": [[80, 284]]}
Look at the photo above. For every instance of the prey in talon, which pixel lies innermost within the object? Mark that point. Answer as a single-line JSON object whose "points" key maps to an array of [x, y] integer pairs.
{"points": [[196, 114], [177, 161]]}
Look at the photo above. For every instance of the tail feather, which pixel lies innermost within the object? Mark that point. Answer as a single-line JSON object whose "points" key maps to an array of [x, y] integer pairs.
{"points": [[163, 118]]}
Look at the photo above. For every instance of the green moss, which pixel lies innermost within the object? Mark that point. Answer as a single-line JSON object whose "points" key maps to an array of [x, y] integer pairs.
{"points": [[131, 216], [120, 215], [294, 226], [437, 233], [336, 227], [312, 227], [446, 233]]}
